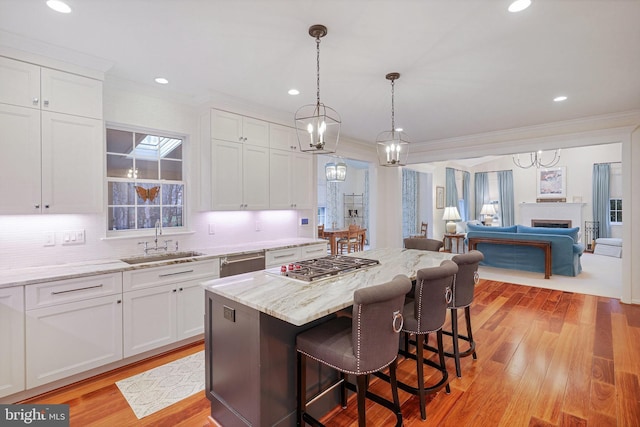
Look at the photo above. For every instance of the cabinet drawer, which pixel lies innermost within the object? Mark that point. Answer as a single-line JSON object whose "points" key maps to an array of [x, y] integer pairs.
{"points": [[281, 256], [155, 276], [63, 291], [313, 251]]}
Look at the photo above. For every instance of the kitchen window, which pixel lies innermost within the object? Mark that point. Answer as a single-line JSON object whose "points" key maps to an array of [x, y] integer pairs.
{"points": [[145, 180]]}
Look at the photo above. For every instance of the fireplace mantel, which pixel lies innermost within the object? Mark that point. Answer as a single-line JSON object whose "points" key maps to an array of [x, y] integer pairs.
{"points": [[552, 211]]}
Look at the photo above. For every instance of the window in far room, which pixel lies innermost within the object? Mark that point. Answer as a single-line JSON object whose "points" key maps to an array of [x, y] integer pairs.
{"points": [[615, 194], [145, 180]]}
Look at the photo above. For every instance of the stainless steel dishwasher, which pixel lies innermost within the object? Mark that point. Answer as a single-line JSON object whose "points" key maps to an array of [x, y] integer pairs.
{"points": [[243, 263]]}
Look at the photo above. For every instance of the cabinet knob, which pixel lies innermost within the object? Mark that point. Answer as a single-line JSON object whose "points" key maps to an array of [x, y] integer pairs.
{"points": [[119, 301], [46, 102], [35, 101], [37, 206], [180, 289], [46, 206], [175, 290]]}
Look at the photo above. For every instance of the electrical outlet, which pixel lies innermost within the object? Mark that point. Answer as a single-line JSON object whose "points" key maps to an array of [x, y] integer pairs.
{"points": [[49, 238], [212, 228], [258, 225], [229, 313]]}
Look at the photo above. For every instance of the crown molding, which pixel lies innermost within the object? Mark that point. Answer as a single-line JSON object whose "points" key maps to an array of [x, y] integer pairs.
{"points": [[608, 128]]}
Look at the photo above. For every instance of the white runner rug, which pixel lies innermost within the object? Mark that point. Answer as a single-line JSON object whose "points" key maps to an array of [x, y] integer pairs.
{"points": [[165, 385]]}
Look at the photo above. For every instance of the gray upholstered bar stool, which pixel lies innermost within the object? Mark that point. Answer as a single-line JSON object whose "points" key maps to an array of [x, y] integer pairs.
{"points": [[427, 313], [365, 343], [463, 287], [423, 243]]}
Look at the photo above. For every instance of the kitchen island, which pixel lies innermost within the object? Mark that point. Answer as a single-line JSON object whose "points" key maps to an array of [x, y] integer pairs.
{"points": [[251, 323]]}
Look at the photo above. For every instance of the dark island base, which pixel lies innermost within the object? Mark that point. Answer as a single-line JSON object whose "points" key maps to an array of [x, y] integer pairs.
{"points": [[250, 360]]}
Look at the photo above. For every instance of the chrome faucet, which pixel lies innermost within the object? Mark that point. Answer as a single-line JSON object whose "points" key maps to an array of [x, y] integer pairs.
{"points": [[158, 232]]}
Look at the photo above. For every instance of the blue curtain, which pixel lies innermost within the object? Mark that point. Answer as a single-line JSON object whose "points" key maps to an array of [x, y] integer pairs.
{"points": [[466, 197], [409, 202], [481, 184], [451, 192], [600, 188], [505, 191]]}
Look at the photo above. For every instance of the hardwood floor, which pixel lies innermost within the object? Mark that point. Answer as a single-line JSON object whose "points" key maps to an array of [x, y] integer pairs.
{"points": [[545, 358]]}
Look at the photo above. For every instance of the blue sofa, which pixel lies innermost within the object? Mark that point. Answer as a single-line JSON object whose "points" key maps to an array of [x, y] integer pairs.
{"points": [[566, 249]]}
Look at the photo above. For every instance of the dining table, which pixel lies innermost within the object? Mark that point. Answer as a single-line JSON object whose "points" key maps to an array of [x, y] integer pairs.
{"points": [[335, 234]]}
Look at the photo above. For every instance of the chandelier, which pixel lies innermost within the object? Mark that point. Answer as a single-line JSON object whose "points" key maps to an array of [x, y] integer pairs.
{"points": [[392, 145], [317, 126], [335, 172], [535, 159]]}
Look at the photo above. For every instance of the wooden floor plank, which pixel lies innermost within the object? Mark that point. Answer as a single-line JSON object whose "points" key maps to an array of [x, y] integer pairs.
{"points": [[545, 358]]}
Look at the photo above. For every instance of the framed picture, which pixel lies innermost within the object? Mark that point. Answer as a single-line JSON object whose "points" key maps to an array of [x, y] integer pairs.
{"points": [[552, 183], [439, 197]]}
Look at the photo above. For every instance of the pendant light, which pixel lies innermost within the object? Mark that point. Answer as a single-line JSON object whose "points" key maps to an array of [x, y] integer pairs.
{"points": [[317, 126], [535, 160], [335, 172], [393, 145]]}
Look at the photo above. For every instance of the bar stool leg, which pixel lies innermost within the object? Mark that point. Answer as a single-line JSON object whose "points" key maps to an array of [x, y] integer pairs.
{"points": [[467, 315], [301, 387], [454, 335], [361, 387], [394, 389], [343, 390], [441, 357], [420, 366]]}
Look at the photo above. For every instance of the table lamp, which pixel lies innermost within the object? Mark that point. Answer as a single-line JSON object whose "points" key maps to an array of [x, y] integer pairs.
{"points": [[451, 214], [488, 210]]}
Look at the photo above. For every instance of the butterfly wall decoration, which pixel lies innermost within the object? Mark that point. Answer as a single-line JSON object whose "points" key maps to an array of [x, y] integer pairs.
{"points": [[147, 194]]}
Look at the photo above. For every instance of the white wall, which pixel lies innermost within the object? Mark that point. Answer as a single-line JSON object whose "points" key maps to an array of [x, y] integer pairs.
{"points": [[22, 236]]}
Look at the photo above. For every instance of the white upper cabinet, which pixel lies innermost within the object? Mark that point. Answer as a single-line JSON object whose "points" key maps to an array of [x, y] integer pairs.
{"points": [[283, 138], [51, 131], [19, 83], [71, 94], [291, 173], [236, 128], [28, 85]]}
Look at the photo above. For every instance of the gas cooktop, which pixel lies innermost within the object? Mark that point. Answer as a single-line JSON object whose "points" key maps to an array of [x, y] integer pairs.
{"points": [[325, 267]]}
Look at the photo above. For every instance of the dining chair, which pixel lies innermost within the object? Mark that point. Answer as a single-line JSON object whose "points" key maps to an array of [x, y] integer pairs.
{"points": [[423, 244], [423, 231], [352, 241]]}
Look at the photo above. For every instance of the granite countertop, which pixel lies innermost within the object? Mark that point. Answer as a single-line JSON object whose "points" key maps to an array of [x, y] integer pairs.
{"points": [[299, 302], [45, 273]]}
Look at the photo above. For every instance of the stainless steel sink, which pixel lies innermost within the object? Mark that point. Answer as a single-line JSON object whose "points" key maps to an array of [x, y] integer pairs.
{"points": [[168, 256]]}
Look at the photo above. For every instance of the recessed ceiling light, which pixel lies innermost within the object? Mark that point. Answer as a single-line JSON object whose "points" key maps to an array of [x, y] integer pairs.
{"points": [[293, 92], [560, 98], [162, 80], [519, 5], [59, 6], [399, 129]]}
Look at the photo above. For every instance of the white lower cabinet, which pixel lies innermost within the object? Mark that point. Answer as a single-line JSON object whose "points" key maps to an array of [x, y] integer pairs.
{"points": [[67, 339], [12, 347], [154, 317], [164, 304]]}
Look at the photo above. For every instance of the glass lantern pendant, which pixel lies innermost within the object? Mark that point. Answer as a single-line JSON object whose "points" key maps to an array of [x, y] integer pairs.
{"points": [[393, 145], [335, 172], [317, 125]]}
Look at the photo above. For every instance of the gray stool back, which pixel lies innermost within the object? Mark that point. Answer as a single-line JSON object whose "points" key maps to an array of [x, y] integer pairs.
{"points": [[466, 278], [365, 343], [463, 289], [423, 244], [426, 314]]}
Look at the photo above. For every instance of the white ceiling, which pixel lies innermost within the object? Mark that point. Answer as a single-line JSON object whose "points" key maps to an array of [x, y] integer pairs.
{"points": [[467, 66]]}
